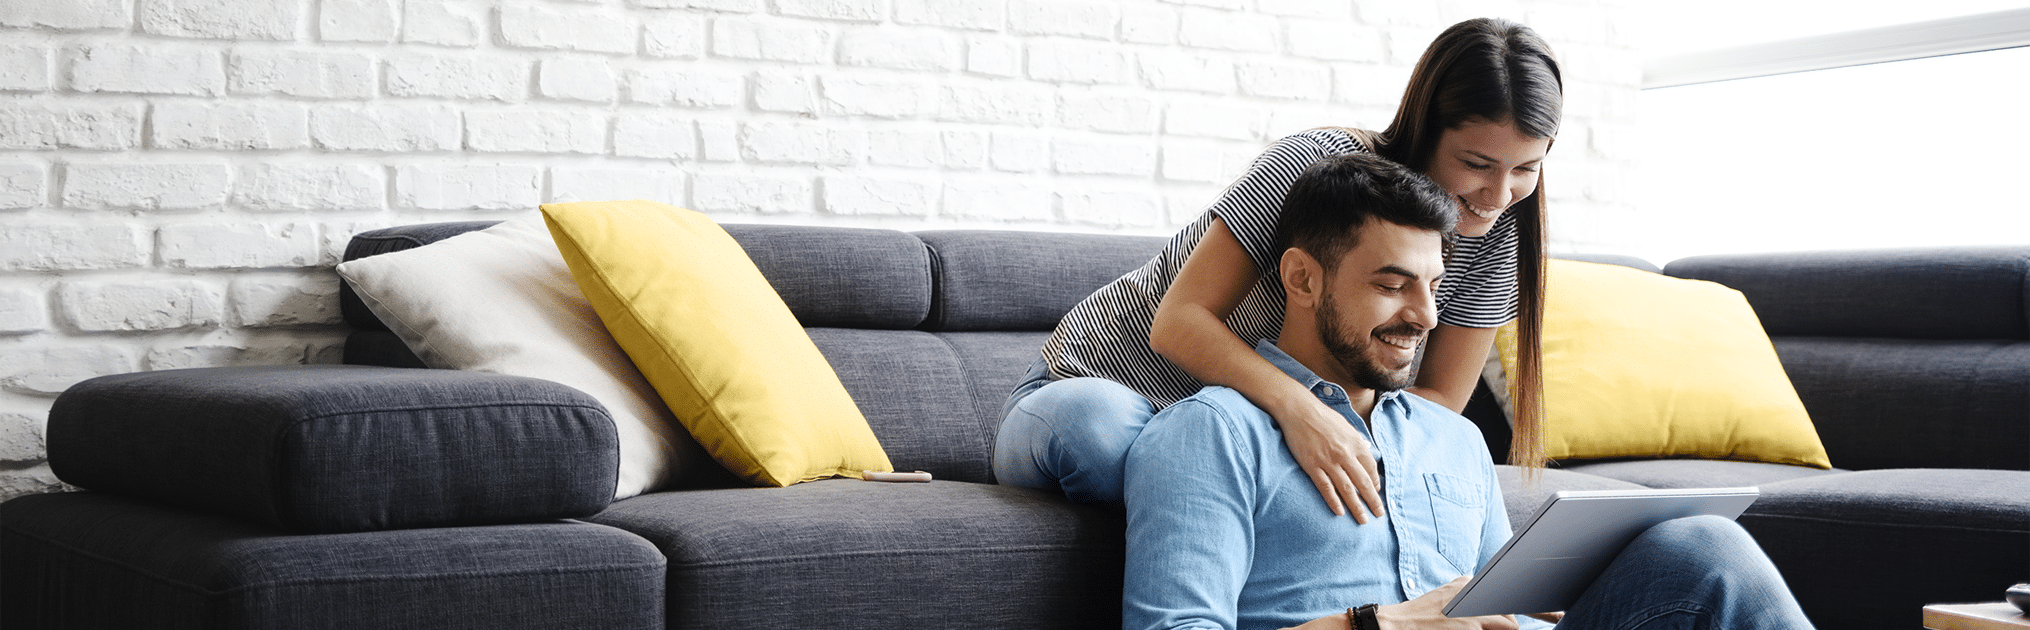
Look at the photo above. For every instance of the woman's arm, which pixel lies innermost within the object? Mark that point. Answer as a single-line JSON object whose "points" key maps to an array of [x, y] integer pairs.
{"points": [[1190, 331], [1453, 358]]}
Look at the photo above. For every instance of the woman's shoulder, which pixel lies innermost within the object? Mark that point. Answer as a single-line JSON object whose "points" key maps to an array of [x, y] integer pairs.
{"points": [[1321, 141]]}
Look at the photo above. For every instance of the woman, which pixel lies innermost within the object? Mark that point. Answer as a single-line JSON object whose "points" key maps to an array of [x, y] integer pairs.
{"points": [[1481, 109]]}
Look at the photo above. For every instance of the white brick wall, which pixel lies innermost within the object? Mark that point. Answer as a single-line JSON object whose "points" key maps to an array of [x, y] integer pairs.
{"points": [[178, 176]]}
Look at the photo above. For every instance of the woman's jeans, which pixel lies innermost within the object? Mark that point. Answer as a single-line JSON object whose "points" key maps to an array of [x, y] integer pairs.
{"points": [[1071, 434], [1689, 574]]}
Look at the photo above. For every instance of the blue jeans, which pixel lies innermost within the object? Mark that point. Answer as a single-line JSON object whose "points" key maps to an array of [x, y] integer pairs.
{"points": [[1071, 434], [1691, 573]]}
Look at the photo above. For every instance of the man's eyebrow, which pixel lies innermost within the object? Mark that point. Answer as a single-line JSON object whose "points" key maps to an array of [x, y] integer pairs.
{"points": [[1397, 270]]}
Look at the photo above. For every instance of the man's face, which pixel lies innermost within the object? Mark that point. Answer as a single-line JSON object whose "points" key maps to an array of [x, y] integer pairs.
{"points": [[1379, 304]]}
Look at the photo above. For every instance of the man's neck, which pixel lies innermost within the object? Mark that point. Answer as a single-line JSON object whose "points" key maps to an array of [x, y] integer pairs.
{"points": [[1314, 357]]}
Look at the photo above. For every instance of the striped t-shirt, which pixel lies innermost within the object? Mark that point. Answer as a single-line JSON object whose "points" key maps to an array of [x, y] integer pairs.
{"points": [[1107, 335]]}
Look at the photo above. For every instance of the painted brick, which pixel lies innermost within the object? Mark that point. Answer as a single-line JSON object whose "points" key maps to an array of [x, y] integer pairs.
{"points": [[1328, 9], [1103, 156], [20, 441], [455, 23], [70, 15], [32, 480], [22, 311], [469, 77], [1207, 118], [229, 125], [275, 300], [871, 196], [468, 187], [1185, 161], [802, 143], [23, 185], [1228, 31], [1230, 5], [1577, 23], [221, 19], [566, 28], [63, 247], [729, 6], [720, 139], [1019, 151], [1111, 208], [965, 149], [145, 186], [752, 193], [1071, 18], [1369, 84], [62, 125], [539, 131], [665, 185], [673, 36], [1293, 117], [1404, 14], [843, 10], [994, 56], [24, 68], [139, 305], [998, 200], [878, 96], [1273, 79], [1337, 41], [147, 69], [333, 236], [981, 15], [899, 48], [321, 75], [47, 371], [237, 245], [683, 87], [1075, 61], [908, 147], [1147, 24], [285, 187], [589, 80], [175, 356], [1175, 70], [998, 103], [793, 93], [377, 21], [394, 127], [653, 135], [770, 40], [1407, 43], [1114, 112]]}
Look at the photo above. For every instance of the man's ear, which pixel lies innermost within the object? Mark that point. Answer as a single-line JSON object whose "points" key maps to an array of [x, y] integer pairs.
{"points": [[1303, 278]]}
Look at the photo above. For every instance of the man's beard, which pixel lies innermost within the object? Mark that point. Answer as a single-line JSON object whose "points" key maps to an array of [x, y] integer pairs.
{"points": [[1366, 370]]}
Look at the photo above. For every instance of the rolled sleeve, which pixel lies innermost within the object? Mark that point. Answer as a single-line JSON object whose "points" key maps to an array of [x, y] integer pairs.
{"points": [[1191, 500]]}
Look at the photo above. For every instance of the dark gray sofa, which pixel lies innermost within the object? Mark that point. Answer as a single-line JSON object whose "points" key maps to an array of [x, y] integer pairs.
{"points": [[377, 495]]}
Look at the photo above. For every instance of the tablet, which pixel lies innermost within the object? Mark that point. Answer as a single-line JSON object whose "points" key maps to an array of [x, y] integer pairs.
{"points": [[1549, 562]]}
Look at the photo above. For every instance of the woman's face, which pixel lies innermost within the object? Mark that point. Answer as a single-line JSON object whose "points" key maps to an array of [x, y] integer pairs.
{"points": [[1487, 166]]}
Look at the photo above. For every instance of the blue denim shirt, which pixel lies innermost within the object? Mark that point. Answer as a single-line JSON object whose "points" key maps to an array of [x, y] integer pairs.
{"points": [[1226, 531]]}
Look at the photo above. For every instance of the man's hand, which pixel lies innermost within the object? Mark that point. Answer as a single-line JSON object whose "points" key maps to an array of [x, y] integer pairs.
{"points": [[1428, 611], [1336, 457]]}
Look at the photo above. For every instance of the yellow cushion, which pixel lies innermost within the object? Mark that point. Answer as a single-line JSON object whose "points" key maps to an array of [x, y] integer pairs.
{"points": [[1638, 364], [715, 340]]}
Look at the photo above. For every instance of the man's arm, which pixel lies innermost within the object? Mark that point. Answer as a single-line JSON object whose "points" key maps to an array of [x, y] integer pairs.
{"points": [[1190, 498]]}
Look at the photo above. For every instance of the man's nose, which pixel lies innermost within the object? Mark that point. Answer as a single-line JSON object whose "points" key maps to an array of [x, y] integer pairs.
{"points": [[1422, 311]]}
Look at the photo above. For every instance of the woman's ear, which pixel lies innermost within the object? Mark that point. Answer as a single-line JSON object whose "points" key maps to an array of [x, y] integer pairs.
{"points": [[1303, 278]]}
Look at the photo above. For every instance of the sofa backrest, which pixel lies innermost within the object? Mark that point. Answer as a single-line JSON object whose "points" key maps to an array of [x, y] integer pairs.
{"points": [[928, 331], [1905, 358]]}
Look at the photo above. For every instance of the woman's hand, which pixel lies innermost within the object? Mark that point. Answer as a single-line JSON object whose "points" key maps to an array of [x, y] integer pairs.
{"points": [[1335, 456]]}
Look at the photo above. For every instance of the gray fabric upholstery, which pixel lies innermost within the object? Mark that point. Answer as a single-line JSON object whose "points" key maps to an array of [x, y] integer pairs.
{"points": [[915, 395], [854, 554], [1002, 280], [842, 277], [379, 347], [1938, 293], [1694, 473], [327, 448], [1523, 497], [1869, 549], [1867, 396], [98, 561]]}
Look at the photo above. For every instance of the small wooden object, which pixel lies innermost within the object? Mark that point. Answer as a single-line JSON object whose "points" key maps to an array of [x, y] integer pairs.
{"points": [[1996, 616]]}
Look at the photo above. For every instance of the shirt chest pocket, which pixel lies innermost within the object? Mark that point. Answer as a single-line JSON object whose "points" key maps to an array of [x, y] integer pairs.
{"points": [[1458, 512]]}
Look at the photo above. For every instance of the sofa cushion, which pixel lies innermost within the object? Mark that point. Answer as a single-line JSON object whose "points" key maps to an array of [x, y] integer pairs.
{"points": [[934, 399], [501, 300], [716, 341], [1919, 293], [858, 554], [1005, 280], [1904, 538], [392, 239], [1523, 497], [842, 277], [94, 560], [1694, 473], [331, 448], [1915, 403]]}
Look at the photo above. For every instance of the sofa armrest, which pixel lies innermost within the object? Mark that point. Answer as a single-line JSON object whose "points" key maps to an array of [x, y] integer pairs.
{"points": [[339, 448]]}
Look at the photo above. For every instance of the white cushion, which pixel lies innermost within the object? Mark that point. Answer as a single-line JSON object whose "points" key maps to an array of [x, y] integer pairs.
{"points": [[501, 300]]}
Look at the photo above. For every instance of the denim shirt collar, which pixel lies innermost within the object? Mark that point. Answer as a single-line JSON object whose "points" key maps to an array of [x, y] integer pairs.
{"points": [[1330, 392]]}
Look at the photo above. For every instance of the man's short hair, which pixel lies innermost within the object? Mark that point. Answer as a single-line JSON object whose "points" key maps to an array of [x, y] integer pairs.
{"points": [[1328, 203]]}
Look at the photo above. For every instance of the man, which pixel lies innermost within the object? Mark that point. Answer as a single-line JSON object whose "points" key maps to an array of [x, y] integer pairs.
{"points": [[1226, 531]]}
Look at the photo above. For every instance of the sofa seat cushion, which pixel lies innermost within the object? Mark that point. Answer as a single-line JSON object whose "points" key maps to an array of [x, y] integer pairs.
{"points": [[95, 560], [1694, 473], [864, 554], [1905, 537], [1523, 498]]}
